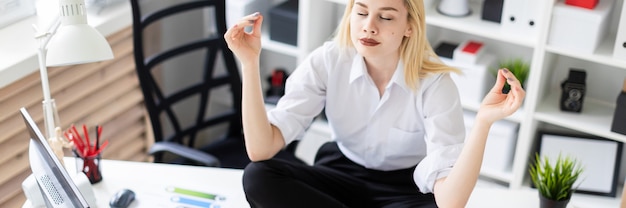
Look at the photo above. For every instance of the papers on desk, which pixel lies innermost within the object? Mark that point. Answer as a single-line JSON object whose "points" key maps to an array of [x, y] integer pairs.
{"points": [[188, 197], [182, 197], [151, 190]]}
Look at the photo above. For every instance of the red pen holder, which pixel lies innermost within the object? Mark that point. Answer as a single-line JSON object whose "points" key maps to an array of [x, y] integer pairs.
{"points": [[88, 154], [90, 166]]}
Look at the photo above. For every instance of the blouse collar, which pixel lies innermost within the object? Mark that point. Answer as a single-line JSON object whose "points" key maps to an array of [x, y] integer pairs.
{"points": [[359, 70]]}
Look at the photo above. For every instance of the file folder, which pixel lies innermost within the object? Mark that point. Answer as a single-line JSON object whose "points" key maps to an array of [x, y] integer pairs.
{"points": [[619, 52]]}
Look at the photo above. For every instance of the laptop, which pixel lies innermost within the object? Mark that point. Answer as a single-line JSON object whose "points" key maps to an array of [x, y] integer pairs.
{"points": [[57, 188]]}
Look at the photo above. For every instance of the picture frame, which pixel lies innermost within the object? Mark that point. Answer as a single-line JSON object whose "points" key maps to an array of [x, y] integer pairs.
{"points": [[601, 166]]}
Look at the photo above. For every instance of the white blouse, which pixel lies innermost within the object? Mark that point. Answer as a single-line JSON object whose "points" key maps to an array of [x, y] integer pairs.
{"points": [[401, 129]]}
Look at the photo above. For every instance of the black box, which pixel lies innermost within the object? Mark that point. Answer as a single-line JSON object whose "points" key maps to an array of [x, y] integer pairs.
{"points": [[284, 22], [619, 117], [492, 10], [446, 49]]}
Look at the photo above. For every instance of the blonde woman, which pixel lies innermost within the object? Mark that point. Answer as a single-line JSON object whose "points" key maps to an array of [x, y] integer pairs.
{"points": [[393, 110]]}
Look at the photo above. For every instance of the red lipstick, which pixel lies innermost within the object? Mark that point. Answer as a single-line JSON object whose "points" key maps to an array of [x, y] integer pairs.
{"points": [[368, 42]]}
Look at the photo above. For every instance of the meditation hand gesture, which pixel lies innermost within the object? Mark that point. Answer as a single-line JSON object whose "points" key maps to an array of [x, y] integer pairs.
{"points": [[497, 105], [246, 46], [454, 191]]}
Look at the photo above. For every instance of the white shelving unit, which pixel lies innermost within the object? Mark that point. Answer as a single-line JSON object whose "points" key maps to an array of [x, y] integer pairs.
{"points": [[276, 46], [474, 25], [313, 31], [549, 66]]}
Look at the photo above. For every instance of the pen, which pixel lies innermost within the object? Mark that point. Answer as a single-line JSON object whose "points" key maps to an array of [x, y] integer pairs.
{"points": [[84, 148], [77, 143], [98, 129], [101, 148], [86, 133]]}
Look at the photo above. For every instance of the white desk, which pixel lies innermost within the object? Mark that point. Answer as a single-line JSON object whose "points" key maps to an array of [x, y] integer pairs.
{"points": [[487, 197], [150, 180]]}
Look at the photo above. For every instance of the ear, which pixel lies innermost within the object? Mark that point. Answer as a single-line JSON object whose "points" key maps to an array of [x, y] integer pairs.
{"points": [[408, 32]]}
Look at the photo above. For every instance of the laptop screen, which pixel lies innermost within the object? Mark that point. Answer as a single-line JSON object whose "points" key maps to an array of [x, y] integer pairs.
{"points": [[57, 188]]}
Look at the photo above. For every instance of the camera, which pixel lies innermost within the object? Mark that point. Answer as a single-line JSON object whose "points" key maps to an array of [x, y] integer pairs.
{"points": [[573, 91]]}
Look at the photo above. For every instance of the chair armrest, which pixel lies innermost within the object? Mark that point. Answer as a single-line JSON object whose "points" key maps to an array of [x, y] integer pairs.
{"points": [[186, 152]]}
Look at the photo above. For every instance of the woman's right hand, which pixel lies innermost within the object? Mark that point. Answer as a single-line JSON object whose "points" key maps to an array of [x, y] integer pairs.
{"points": [[246, 46]]}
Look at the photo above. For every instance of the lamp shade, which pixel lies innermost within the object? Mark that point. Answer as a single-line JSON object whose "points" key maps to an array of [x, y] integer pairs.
{"points": [[77, 44]]}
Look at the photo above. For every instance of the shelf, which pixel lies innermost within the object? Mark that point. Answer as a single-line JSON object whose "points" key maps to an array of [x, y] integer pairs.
{"points": [[474, 106], [474, 25], [341, 2], [602, 55], [275, 46], [470, 105], [596, 117], [504, 176]]}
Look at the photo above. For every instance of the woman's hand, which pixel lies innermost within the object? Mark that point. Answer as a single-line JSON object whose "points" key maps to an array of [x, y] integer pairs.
{"points": [[246, 46], [497, 105]]}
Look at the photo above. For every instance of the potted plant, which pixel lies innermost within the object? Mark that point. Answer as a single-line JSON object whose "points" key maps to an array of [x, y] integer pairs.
{"points": [[518, 67], [555, 181]]}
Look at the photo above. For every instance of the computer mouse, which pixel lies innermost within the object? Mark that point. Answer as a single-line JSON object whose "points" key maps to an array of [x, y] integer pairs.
{"points": [[122, 198]]}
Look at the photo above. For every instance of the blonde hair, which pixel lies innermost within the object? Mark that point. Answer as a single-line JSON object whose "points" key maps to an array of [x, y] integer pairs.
{"points": [[417, 55]]}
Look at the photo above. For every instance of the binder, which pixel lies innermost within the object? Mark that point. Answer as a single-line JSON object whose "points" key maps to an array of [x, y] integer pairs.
{"points": [[619, 51], [531, 15], [520, 16], [492, 10], [511, 15]]}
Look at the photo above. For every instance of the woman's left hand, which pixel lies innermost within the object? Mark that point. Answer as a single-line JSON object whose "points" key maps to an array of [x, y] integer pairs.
{"points": [[497, 105]]}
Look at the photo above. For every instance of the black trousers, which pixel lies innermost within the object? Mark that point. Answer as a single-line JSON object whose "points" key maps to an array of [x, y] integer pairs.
{"points": [[333, 181]]}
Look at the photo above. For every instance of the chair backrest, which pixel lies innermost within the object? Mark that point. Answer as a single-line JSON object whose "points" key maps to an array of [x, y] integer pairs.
{"points": [[163, 105]]}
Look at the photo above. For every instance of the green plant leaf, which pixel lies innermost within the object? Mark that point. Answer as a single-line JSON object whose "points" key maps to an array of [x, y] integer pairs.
{"points": [[555, 181]]}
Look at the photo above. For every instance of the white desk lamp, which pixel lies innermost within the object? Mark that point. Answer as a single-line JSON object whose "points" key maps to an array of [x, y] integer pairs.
{"points": [[75, 42]]}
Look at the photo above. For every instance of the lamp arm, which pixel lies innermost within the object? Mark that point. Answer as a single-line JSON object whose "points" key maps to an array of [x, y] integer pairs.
{"points": [[44, 37], [48, 104]]}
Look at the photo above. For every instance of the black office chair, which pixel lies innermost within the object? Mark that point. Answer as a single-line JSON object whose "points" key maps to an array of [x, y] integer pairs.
{"points": [[166, 109]]}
